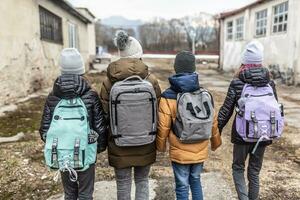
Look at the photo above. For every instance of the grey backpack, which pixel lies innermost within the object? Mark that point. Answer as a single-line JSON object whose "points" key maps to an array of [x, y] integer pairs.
{"points": [[133, 112], [194, 116]]}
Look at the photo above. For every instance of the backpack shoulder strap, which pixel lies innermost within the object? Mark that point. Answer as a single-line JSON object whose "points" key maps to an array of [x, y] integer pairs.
{"points": [[146, 78], [211, 97]]}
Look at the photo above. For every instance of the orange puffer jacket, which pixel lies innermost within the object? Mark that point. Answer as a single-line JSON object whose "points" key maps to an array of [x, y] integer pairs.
{"points": [[179, 152]]}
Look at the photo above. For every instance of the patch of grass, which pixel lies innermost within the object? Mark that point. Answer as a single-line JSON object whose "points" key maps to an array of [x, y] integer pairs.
{"points": [[25, 119]]}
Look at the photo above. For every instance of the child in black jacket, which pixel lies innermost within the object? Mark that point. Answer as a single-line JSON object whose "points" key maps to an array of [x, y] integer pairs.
{"points": [[253, 73], [69, 85]]}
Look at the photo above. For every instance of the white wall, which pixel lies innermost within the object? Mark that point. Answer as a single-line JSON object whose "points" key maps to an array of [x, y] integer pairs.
{"points": [[27, 63], [92, 39], [281, 49], [91, 31]]}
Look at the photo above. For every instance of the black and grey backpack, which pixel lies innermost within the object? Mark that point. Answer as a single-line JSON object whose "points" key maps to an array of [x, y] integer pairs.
{"points": [[133, 112], [194, 118]]}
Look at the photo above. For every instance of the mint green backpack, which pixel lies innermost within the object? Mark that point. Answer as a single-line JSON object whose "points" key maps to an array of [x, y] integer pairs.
{"points": [[70, 143]]}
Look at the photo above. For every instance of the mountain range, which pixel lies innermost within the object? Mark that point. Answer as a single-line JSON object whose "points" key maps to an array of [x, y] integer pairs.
{"points": [[121, 22]]}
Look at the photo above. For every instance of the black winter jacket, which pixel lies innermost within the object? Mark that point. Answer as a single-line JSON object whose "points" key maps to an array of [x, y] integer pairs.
{"points": [[255, 76], [72, 86]]}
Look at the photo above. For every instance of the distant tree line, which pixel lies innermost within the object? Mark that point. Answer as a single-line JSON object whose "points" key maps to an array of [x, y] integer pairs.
{"points": [[172, 35]]}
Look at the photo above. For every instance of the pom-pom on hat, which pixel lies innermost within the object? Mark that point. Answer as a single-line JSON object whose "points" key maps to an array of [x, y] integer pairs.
{"points": [[128, 46]]}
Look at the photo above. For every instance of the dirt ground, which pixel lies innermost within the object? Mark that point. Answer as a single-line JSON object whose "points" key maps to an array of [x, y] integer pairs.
{"points": [[24, 176]]}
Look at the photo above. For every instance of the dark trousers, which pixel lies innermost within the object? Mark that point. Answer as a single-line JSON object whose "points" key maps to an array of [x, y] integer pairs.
{"points": [[83, 188], [240, 154]]}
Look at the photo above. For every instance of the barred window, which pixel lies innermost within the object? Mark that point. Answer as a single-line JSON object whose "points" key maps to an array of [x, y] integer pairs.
{"points": [[239, 35], [230, 30], [261, 22], [280, 20], [50, 26]]}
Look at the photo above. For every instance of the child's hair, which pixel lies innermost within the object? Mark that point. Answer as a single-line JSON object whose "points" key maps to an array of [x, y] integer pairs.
{"points": [[245, 67]]}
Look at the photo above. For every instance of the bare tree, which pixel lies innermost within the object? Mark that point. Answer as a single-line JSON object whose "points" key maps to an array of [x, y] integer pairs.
{"points": [[177, 34], [203, 28]]}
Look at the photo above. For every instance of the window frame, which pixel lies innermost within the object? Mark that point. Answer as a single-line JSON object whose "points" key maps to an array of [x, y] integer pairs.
{"points": [[240, 28], [261, 23], [73, 35], [51, 28], [277, 14], [232, 30]]}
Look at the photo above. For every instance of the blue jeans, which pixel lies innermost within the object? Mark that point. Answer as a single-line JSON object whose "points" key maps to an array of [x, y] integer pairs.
{"points": [[186, 177]]}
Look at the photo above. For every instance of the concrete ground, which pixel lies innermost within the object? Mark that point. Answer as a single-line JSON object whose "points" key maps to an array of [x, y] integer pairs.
{"points": [[280, 176], [211, 182]]}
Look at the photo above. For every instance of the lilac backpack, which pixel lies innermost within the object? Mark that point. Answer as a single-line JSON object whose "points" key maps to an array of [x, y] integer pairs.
{"points": [[259, 115]]}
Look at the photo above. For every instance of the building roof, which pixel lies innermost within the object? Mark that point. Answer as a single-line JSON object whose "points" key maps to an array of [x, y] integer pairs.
{"points": [[242, 9], [88, 11], [69, 8]]}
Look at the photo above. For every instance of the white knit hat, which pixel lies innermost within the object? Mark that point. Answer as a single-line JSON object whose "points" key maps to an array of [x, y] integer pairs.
{"points": [[128, 46], [253, 53], [71, 62]]}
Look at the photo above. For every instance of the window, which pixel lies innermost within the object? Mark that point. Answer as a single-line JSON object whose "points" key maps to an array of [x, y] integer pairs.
{"points": [[230, 30], [73, 36], [239, 28], [50, 26], [280, 17], [261, 23]]}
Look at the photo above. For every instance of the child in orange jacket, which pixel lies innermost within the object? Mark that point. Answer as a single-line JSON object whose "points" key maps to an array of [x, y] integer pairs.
{"points": [[187, 159]]}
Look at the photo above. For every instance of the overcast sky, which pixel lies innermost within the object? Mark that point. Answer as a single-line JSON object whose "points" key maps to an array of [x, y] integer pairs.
{"points": [[148, 9]]}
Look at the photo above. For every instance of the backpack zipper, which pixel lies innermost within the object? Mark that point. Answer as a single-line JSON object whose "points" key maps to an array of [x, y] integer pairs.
{"points": [[261, 95], [78, 106], [56, 117]]}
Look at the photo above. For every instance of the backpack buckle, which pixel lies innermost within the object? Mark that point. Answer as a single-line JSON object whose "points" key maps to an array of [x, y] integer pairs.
{"points": [[76, 153], [54, 157], [239, 111], [253, 117], [273, 122]]}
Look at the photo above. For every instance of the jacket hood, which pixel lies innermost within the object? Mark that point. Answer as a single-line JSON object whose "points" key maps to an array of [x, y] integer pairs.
{"points": [[184, 82], [70, 86], [125, 67], [259, 76]]}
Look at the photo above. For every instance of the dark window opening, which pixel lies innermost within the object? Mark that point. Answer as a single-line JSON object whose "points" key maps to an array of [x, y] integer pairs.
{"points": [[50, 26]]}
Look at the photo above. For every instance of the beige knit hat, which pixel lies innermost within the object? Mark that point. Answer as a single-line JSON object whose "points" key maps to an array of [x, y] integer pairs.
{"points": [[128, 46]]}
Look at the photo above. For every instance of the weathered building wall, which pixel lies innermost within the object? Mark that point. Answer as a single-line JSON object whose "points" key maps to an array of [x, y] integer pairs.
{"points": [[92, 39], [281, 49], [28, 64], [91, 31]]}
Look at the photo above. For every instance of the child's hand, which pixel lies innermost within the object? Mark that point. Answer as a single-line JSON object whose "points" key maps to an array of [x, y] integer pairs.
{"points": [[92, 137], [216, 142]]}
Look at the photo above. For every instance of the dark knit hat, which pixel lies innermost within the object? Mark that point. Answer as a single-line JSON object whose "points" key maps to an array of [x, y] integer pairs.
{"points": [[185, 62]]}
